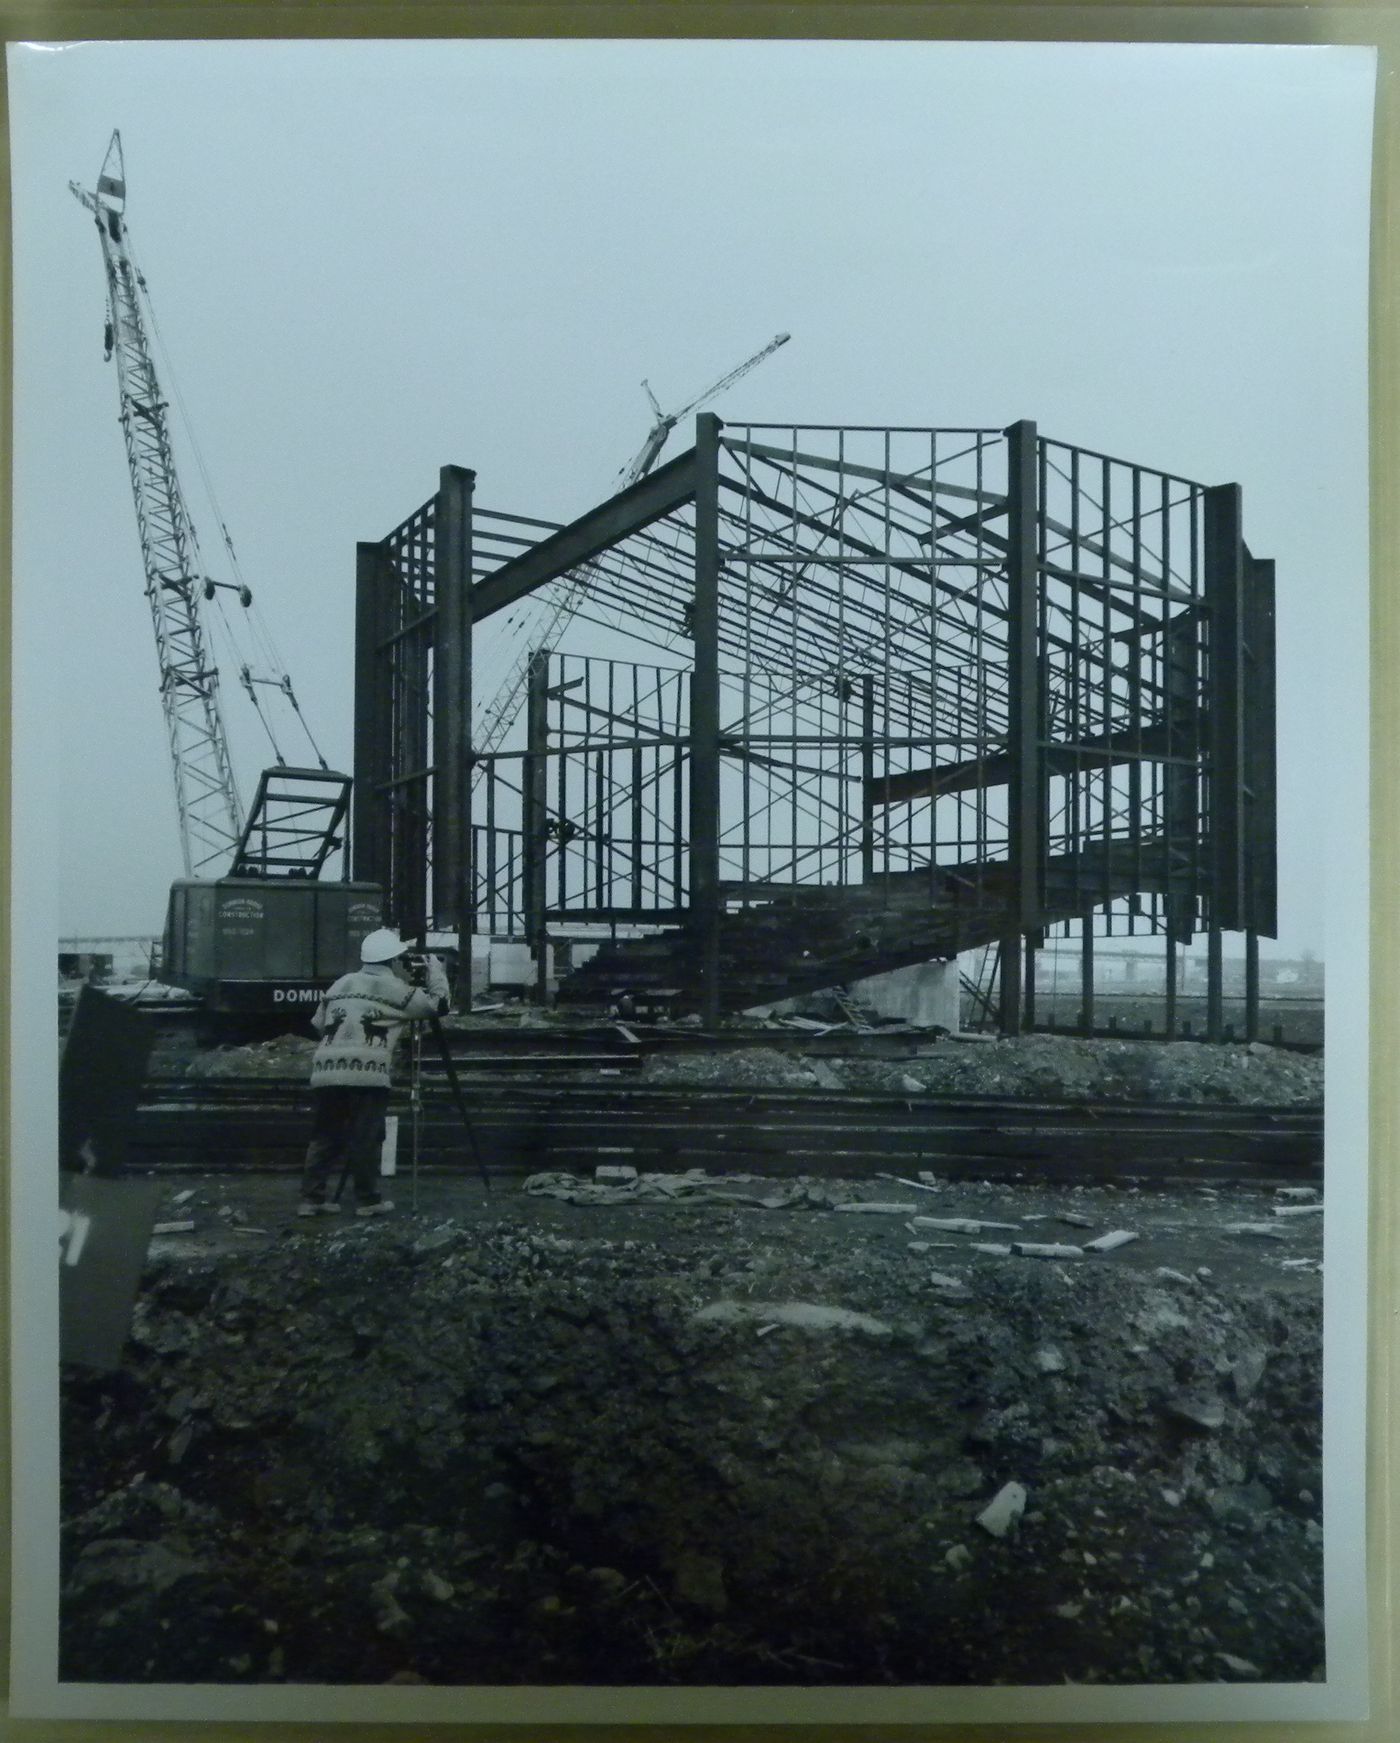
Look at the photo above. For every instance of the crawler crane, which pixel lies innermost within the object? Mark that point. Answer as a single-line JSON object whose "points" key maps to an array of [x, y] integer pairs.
{"points": [[266, 933]]}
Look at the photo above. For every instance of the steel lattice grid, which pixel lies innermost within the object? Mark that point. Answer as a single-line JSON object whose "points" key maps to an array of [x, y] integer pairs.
{"points": [[1123, 639]]}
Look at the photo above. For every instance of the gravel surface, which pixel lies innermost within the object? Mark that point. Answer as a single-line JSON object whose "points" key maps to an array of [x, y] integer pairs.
{"points": [[509, 1438]]}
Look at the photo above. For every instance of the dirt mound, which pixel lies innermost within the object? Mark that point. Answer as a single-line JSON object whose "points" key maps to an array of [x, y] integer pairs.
{"points": [[1051, 1067], [751, 1452]]}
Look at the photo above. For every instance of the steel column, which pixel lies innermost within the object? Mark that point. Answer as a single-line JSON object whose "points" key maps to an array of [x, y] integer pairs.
{"points": [[1251, 985], [535, 837], [452, 716], [705, 898], [1086, 974], [867, 778], [1215, 985], [1261, 827], [1170, 966], [373, 719], [1024, 797], [1224, 593]]}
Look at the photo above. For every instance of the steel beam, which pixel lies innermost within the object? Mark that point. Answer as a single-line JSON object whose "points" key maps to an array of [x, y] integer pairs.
{"points": [[629, 512], [705, 897], [1149, 743]]}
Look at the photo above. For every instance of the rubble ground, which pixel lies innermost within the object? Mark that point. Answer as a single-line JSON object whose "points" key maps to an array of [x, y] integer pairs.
{"points": [[681, 1434], [1044, 1066]]}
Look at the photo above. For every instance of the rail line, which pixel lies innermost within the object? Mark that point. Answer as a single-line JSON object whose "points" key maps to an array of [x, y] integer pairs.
{"points": [[526, 1127]]}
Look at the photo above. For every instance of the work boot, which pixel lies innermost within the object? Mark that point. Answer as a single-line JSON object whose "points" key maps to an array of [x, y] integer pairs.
{"points": [[317, 1207], [379, 1207]]}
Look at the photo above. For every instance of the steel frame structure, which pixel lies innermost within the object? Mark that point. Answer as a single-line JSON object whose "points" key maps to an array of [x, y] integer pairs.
{"points": [[986, 681]]}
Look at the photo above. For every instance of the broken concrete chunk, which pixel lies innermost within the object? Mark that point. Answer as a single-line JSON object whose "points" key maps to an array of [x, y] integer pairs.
{"points": [[1297, 1210], [1073, 1220], [882, 1209], [1199, 1409], [1240, 1666], [997, 1249], [1247, 1370], [911, 1085], [1046, 1250], [942, 1280], [699, 1580], [183, 1197], [1259, 1231], [1003, 1510], [177, 1228], [1110, 1242], [1170, 1276], [958, 1557], [1050, 1360], [803, 1315], [615, 1171], [1294, 1194]]}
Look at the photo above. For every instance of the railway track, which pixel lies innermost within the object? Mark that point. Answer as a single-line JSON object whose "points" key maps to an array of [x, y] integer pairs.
{"points": [[524, 1127]]}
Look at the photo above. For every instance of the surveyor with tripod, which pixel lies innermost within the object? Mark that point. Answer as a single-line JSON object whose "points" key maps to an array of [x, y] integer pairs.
{"points": [[359, 1021]]}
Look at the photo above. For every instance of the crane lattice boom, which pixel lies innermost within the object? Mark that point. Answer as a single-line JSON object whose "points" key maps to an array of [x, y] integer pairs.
{"points": [[505, 704], [205, 794]]}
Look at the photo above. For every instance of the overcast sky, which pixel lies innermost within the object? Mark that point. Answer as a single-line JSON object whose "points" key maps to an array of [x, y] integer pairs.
{"points": [[368, 260]]}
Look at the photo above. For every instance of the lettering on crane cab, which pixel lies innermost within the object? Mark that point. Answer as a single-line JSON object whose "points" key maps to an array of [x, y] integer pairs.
{"points": [[240, 916]]}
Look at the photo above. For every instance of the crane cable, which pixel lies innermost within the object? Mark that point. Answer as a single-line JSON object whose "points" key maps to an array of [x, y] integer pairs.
{"points": [[259, 629]]}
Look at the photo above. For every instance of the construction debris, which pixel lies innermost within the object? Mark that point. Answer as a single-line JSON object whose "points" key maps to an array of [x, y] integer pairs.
{"points": [[1260, 1231], [1297, 1210], [959, 1225], [1110, 1243], [175, 1228], [1045, 1250]]}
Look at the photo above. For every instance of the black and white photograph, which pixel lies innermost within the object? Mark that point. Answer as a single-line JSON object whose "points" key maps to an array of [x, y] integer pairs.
{"points": [[690, 844]]}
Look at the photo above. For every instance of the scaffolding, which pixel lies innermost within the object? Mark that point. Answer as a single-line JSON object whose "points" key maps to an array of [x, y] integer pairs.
{"points": [[896, 693]]}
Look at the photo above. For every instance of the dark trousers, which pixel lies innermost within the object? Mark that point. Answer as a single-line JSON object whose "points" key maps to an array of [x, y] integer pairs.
{"points": [[348, 1125]]}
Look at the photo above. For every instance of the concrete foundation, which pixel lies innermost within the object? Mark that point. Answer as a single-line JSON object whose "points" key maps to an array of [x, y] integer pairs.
{"points": [[927, 993]]}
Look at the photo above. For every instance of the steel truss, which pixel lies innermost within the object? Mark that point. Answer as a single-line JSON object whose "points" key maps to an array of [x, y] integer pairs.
{"points": [[984, 680]]}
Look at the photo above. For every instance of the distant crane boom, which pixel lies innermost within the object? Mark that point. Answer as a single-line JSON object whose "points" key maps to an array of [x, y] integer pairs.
{"points": [[210, 815], [504, 705]]}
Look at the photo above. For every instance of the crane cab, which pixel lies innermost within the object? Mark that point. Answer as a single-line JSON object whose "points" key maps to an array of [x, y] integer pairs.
{"points": [[265, 947]]}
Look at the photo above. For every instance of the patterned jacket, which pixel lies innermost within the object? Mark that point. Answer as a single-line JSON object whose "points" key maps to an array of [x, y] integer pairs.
{"points": [[360, 1020]]}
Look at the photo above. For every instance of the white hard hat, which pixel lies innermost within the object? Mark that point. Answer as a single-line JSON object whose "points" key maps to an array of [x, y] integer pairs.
{"points": [[381, 946]]}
